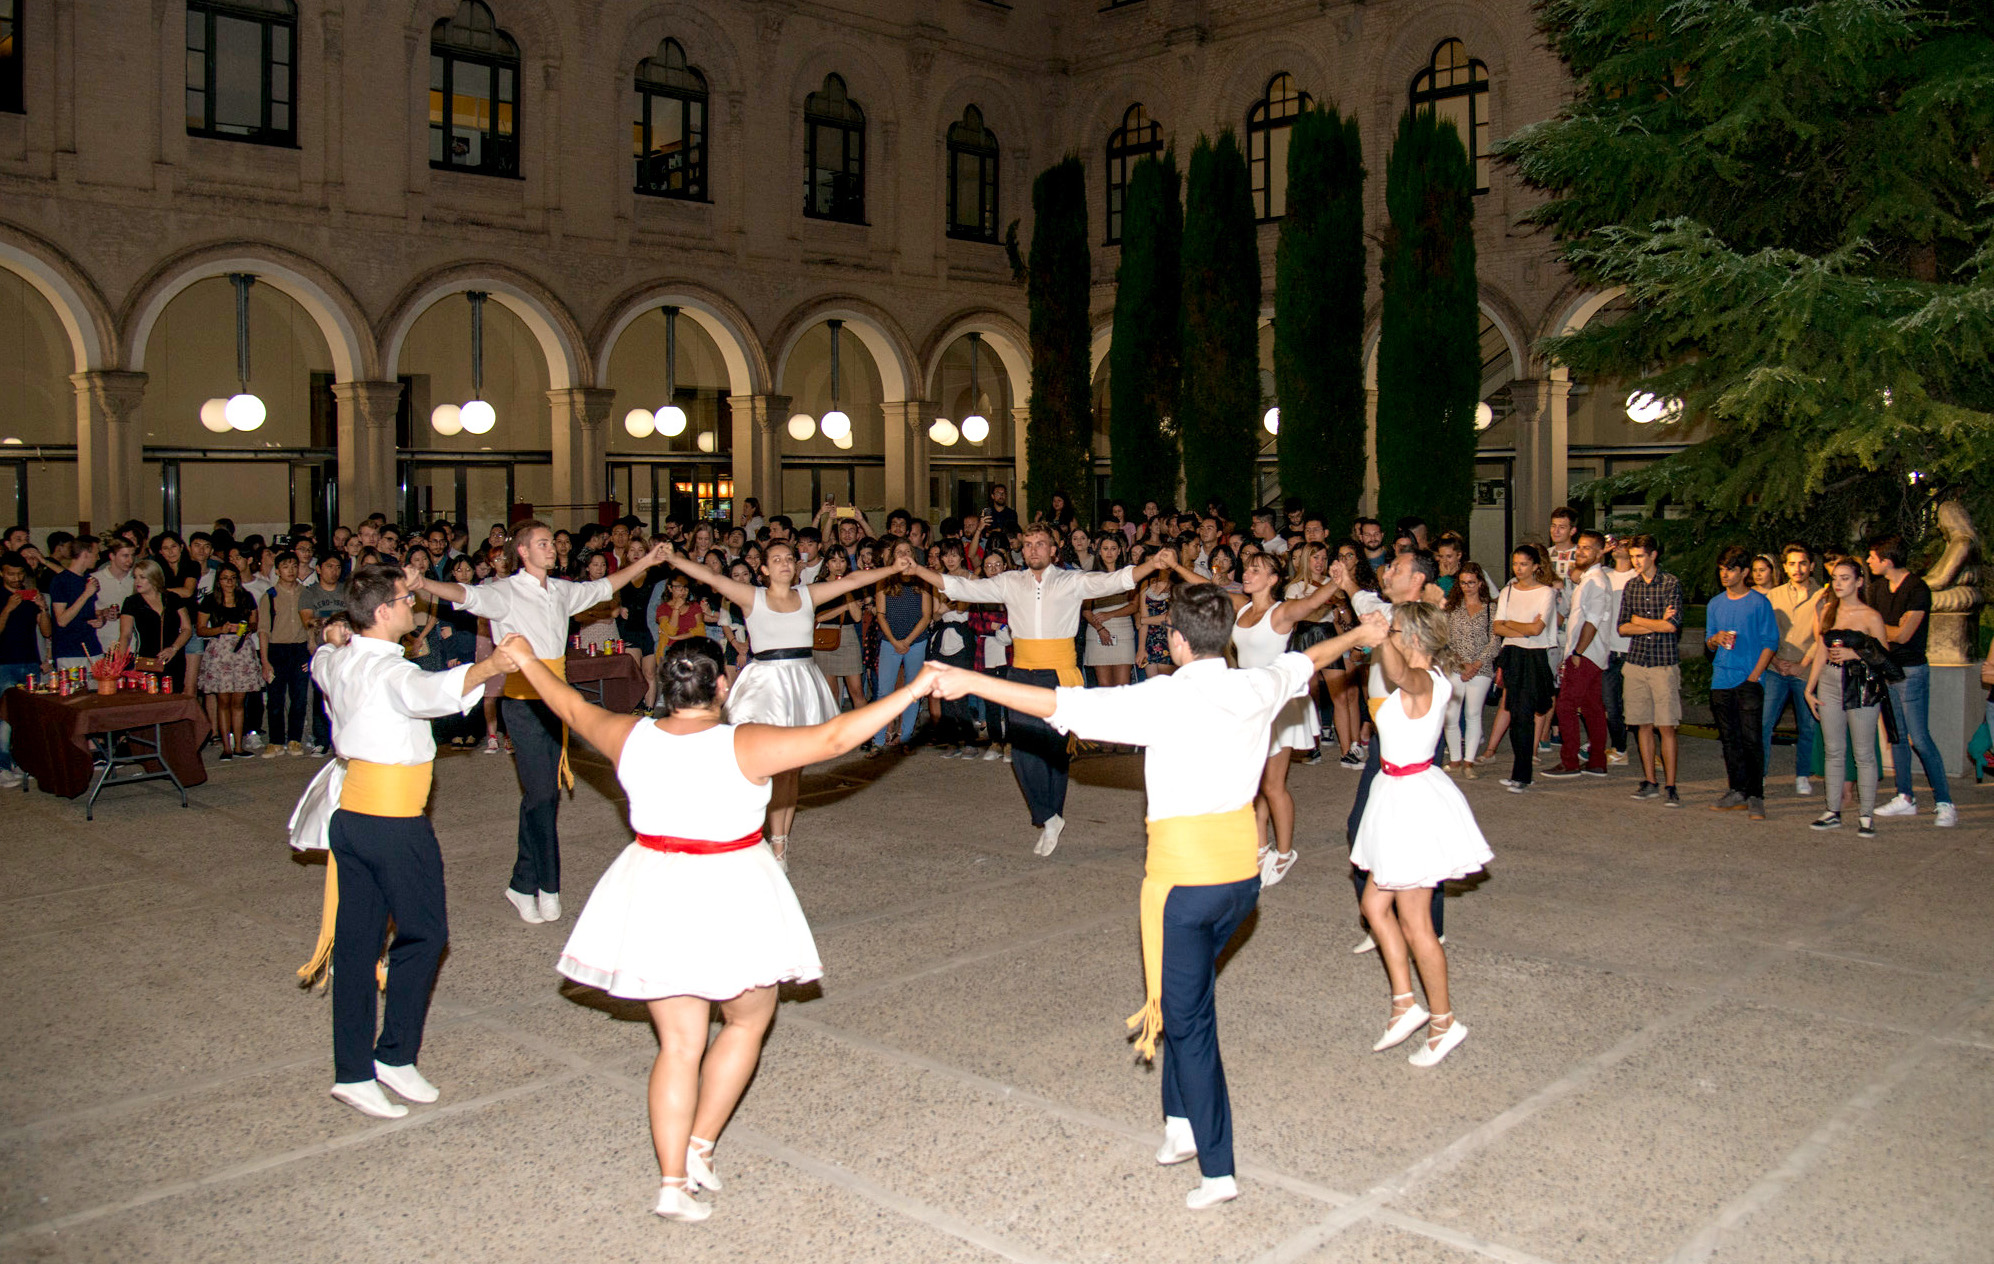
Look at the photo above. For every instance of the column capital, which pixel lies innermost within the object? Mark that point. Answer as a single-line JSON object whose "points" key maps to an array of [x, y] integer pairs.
{"points": [[373, 403], [116, 391], [588, 405]]}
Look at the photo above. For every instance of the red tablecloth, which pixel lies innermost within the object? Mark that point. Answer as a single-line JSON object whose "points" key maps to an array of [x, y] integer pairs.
{"points": [[619, 676], [51, 734]]}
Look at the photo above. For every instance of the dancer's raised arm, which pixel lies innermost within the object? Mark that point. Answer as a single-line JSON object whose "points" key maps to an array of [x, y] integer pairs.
{"points": [[832, 589], [742, 595], [763, 750], [1371, 630], [604, 730], [1288, 613]]}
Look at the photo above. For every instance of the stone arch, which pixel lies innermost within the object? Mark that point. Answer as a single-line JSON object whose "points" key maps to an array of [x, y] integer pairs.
{"points": [[1001, 334], [994, 98], [1247, 71], [1492, 303], [557, 332], [1097, 347], [530, 22], [325, 299], [884, 341], [1411, 46], [1574, 317], [870, 83], [728, 326], [81, 309], [707, 44]]}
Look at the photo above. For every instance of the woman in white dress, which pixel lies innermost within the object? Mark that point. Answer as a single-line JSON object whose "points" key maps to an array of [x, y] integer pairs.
{"points": [[1111, 638], [782, 684], [696, 911], [1417, 833]]}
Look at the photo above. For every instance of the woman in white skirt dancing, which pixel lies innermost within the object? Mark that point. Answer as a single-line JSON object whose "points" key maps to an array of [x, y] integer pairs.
{"points": [[782, 684], [696, 911], [1417, 832]]}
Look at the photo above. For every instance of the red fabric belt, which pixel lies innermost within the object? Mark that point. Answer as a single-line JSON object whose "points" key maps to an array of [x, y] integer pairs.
{"points": [[697, 846], [1404, 770]]}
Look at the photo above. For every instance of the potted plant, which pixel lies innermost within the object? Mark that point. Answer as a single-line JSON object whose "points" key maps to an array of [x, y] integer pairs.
{"points": [[110, 668]]}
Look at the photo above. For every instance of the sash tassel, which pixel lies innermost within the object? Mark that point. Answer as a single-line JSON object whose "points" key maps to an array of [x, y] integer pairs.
{"points": [[1185, 851], [518, 687]]}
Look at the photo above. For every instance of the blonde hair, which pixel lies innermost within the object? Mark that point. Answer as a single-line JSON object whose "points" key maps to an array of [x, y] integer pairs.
{"points": [[147, 569], [1426, 624], [1298, 562]]}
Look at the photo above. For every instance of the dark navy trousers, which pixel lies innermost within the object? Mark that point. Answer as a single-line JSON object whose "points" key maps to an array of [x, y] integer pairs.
{"points": [[389, 866], [1198, 922], [1038, 753], [536, 757]]}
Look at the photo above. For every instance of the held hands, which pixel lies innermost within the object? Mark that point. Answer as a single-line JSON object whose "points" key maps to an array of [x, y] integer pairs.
{"points": [[950, 683], [929, 681], [1373, 628], [513, 652], [337, 631], [658, 552], [414, 576]]}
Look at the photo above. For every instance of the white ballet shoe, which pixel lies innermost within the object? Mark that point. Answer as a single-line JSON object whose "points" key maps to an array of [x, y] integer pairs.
{"points": [[674, 1203], [780, 846], [1367, 945], [407, 1082], [1178, 1143], [1049, 835], [1212, 1191], [366, 1097], [699, 1166], [1441, 1043], [1404, 1025], [1276, 866]]}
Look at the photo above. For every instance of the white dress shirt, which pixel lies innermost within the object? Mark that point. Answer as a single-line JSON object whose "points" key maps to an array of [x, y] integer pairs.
{"points": [[1204, 728], [1594, 602], [1042, 609], [539, 612], [381, 703]]}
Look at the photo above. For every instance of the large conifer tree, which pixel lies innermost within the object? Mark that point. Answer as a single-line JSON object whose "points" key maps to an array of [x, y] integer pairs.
{"points": [[1143, 358], [1218, 408], [1429, 342], [1060, 436], [1319, 316]]}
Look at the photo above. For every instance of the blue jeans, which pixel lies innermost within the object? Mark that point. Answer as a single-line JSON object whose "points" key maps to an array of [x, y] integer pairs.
{"points": [[1779, 690], [890, 663], [12, 674], [1910, 698]]}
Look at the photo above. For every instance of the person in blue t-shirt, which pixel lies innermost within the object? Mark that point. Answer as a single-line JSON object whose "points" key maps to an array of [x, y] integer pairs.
{"points": [[1741, 635], [73, 614]]}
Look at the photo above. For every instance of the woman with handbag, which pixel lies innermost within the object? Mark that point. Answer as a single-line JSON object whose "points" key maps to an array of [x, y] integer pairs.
{"points": [[233, 664], [1847, 689], [153, 625], [835, 643]]}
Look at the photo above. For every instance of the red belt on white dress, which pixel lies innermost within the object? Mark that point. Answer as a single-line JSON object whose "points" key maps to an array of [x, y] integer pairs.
{"points": [[697, 846], [1404, 770]]}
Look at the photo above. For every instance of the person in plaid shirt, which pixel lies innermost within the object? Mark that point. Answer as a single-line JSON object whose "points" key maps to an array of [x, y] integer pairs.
{"points": [[1651, 620]]}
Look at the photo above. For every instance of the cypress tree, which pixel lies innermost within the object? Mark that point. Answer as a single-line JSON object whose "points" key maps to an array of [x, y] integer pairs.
{"points": [[1218, 409], [1319, 316], [1429, 347], [1143, 358], [1060, 435]]}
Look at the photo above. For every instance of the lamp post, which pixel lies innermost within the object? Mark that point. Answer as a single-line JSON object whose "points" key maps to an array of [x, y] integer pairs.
{"points": [[242, 410], [975, 427], [835, 425]]}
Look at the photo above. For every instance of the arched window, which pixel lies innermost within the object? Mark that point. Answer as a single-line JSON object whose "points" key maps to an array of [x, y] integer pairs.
{"points": [[11, 95], [1267, 125], [833, 154], [473, 94], [1138, 136], [972, 178], [242, 69], [1457, 86], [668, 132]]}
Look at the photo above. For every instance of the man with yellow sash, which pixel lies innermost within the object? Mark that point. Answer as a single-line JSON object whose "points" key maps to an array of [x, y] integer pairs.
{"points": [[1205, 730], [384, 855], [1043, 605], [532, 604]]}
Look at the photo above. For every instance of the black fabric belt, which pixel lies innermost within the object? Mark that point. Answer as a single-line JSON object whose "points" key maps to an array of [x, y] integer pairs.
{"points": [[769, 656]]}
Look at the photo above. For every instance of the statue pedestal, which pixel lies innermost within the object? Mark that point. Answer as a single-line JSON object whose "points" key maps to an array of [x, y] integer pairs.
{"points": [[1959, 704]]}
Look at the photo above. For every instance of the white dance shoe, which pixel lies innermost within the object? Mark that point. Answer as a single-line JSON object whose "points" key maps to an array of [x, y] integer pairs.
{"points": [[1178, 1143], [408, 1083], [1439, 1044], [1212, 1191], [528, 906], [699, 1166], [1367, 944], [549, 904], [1276, 865], [1049, 835], [779, 845], [674, 1203], [1404, 1025], [367, 1098]]}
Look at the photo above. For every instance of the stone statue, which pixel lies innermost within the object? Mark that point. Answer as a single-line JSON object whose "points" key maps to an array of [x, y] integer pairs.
{"points": [[1957, 595]]}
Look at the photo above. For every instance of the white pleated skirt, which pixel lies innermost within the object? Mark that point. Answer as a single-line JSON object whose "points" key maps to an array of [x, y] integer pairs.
{"points": [[786, 691], [1418, 831]]}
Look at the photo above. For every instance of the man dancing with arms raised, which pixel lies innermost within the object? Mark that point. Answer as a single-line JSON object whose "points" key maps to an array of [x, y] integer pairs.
{"points": [[1205, 728], [1043, 606]]}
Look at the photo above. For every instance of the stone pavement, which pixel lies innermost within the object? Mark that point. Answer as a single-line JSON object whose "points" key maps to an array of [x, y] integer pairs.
{"points": [[1694, 1038]]}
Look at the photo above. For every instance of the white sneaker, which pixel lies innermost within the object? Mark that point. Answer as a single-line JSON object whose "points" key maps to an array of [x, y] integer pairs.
{"points": [[253, 742], [1369, 945], [10, 778], [1178, 1143], [549, 903], [1948, 816], [991, 754], [367, 1098], [1802, 785], [1212, 1191], [1617, 759], [1049, 836], [406, 1081], [1902, 805], [528, 906]]}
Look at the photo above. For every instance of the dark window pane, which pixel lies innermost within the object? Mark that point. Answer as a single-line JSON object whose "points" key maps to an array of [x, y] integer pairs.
{"points": [[238, 74], [197, 30], [280, 43], [280, 118], [197, 109]]}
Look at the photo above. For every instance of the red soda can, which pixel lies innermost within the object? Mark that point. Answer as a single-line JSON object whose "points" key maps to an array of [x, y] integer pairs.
{"points": [[166, 685]]}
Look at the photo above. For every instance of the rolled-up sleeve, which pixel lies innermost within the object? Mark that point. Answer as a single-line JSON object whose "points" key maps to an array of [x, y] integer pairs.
{"points": [[423, 695]]}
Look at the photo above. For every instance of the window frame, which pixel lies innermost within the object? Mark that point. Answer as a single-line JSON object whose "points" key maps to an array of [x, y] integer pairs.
{"points": [[13, 70], [1261, 124], [497, 63], [266, 21], [851, 208], [1475, 89], [986, 153], [649, 94], [1124, 151]]}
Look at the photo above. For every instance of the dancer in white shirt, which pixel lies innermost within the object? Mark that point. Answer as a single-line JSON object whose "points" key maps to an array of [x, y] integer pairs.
{"points": [[1205, 729], [532, 604], [1043, 606]]}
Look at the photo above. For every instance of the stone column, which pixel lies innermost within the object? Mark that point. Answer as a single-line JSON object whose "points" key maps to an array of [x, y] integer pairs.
{"points": [[1021, 422], [109, 452], [907, 423], [365, 415], [1541, 449], [758, 427], [580, 444]]}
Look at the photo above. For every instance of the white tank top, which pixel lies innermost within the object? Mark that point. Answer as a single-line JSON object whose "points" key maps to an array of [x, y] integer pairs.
{"points": [[689, 785], [773, 630], [1258, 645]]}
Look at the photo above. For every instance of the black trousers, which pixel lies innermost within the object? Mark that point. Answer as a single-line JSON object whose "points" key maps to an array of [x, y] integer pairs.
{"points": [[389, 866], [1198, 922], [1359, 878], [1613, 695], [536, 756], [1038, 753], [284, 697], [1739, 711]]}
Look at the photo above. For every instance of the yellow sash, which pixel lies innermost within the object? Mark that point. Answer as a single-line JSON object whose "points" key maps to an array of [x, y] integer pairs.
{"points": [[518, 686], [1185, 851], [1051, 654], [371, 790]]}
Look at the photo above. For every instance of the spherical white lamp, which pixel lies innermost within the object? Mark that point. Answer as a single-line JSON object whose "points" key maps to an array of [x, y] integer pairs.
{"points": [[1484, 415], [446, 419], [479, 417], [944, 432], [671, 421], [1270, 421], [835, 423], [976, 427], [843, 442], [214, 416], [708, 441], [244, 412], [1644, 409], [638, 423], [802, 426]]}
